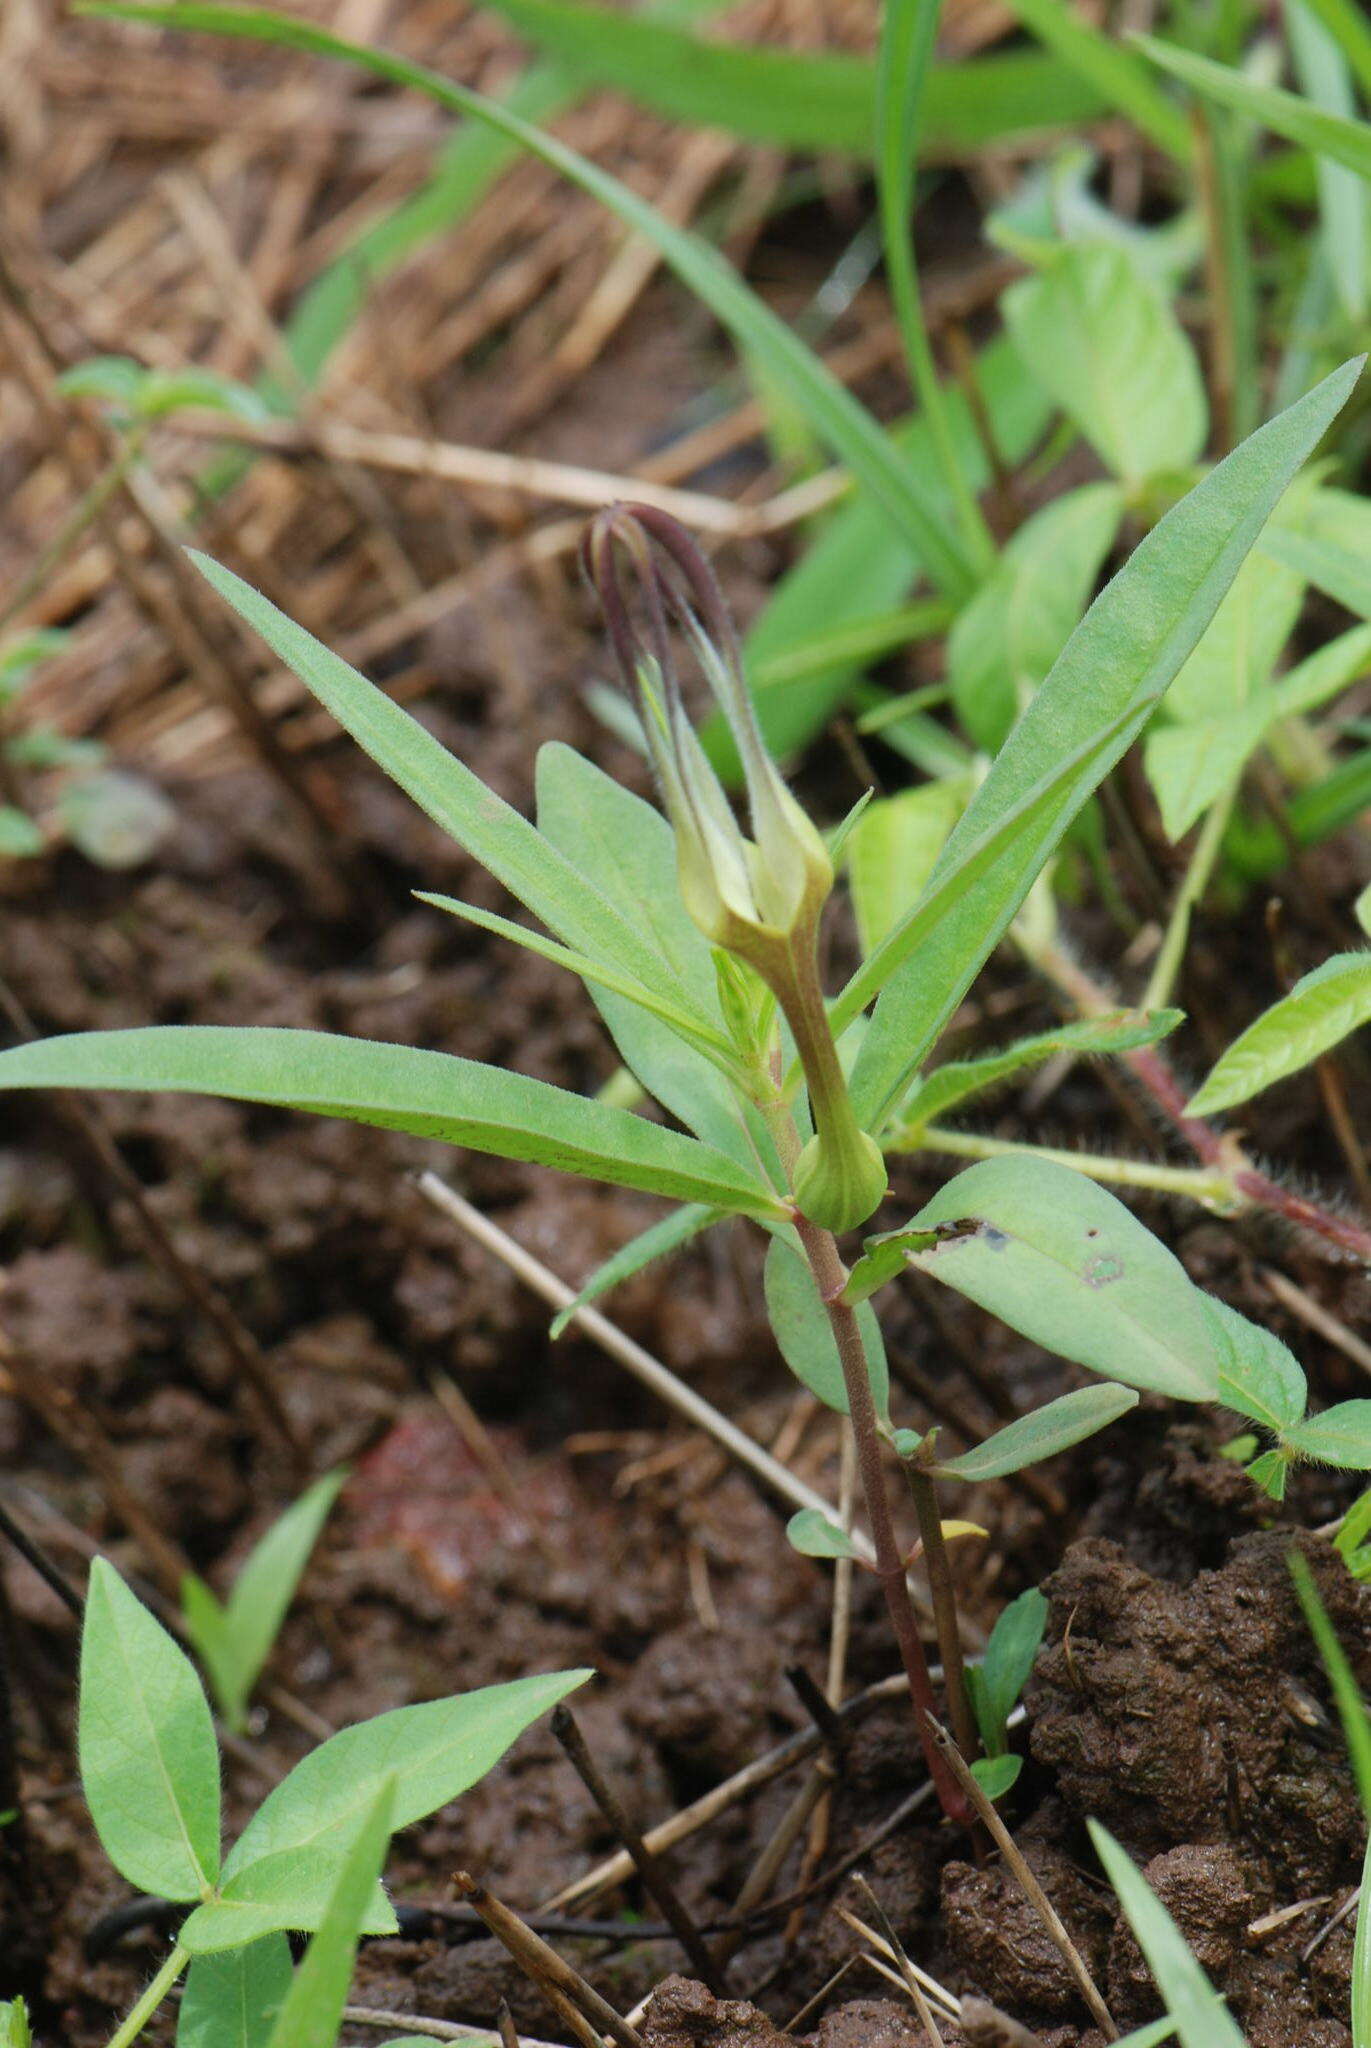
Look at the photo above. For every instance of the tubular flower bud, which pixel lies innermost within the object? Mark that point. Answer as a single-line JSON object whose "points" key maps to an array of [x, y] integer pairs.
{"points": [[750, 896], [757, 898]]}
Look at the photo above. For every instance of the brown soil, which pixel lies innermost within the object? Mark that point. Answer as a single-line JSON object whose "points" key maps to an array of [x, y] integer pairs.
{"points": [[1178, 1698]]}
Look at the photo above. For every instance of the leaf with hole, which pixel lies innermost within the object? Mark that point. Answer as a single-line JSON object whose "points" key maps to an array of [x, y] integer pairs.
{"points": [[1061, 1260], [145, 1740]]}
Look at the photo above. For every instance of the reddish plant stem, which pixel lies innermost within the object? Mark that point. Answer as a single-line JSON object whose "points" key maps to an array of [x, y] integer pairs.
{"points": [[944, 1612], [831, 1276]]}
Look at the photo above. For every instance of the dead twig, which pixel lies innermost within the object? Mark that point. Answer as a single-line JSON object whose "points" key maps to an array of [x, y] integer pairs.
{"points": [[566, 1989]]}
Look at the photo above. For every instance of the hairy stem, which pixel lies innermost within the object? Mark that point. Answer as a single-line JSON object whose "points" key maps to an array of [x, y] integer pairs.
{"points": [[1211, 1188], [142, 2012], [830, 1276]]}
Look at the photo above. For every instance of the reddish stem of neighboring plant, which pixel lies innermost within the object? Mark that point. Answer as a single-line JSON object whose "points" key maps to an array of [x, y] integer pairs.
{"points": [[831, 1275]]}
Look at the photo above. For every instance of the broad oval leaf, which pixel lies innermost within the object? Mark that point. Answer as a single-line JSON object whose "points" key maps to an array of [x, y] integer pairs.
{"points": [[399, 1088], [892, 851], [1339, 1436], [149, 1761], [802, 1329], [1111, 675], [996, 1775], [813, 1535], [232, 1999], [1320, 1010], [279, 1872], [1052, 1428], [1055, 1256], [1097, 333]]}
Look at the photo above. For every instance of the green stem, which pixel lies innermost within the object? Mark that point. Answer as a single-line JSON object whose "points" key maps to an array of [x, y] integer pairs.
{"points": [[1209, 1186], [906, 47], [1193, 885], [147, 2005]]}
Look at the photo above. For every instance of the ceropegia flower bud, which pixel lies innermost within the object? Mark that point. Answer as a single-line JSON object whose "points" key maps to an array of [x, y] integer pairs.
{"points": [[747, 895], [759, 898]]}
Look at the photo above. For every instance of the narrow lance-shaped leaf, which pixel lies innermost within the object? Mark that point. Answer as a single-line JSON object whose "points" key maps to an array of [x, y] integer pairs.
{"points": [[1056, 1257], [956, 1080], [280, 1871], [1285, 113], [399, 1088], [1112, 673], [835, 416], [1321, 1009], [1042, 1434], [800, 99], [658, 1241], [235, 1637], [1113, 70], [996, 1682], [1202, 2020], [491, 830], [312, 2011], [149, 1761]]}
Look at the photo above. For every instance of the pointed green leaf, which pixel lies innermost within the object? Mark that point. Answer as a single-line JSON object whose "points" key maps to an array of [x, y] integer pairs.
{"points": [[1044, 1433], [1058, 1258], [1321, 1009], [831, 411], [956, 1080], [490, 829], [1258, 1375], [1339, 1436], [1191, 766], [1112, 673], [149, 1761], [279, 1872], [1324, 674], [802, 1329], [232, 1999], [1285, 113], [997, 1775], [1343, 219], [813, 1535], [240, 1642], [1005, 1669], [656, 1242], [1005, 641], [399, 1088], [313, 2008], [1201, 2018], [1096, 54], [1099, 336]]}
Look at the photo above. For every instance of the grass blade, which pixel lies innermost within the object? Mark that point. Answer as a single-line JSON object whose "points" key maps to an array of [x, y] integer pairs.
{"points": [[1201, 2018], [1285, 113], [833, 414], [1113, 71]]}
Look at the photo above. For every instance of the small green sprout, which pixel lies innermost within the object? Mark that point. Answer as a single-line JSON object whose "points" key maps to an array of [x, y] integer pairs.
{"points": [[14, 2024], [150, 1773], [234, 1638], [996, 1682]]}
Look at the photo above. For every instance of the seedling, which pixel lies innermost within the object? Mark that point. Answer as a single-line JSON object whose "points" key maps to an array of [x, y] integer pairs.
{"points": [[150, 1773], [699, 947], [14, 2024], [234, 1638], [997, 1681]]}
